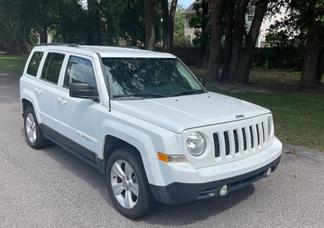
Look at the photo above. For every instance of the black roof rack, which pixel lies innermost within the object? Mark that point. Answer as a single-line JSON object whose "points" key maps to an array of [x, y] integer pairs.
{"points": [[59, 44], [130, 47]]}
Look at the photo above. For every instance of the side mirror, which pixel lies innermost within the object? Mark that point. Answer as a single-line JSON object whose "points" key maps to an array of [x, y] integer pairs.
{"points": [[83, 90], [201, 80]]}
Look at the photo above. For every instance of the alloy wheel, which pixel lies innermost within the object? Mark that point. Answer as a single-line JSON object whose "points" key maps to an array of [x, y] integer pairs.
{"points": [[124, 184], [31, 128]]}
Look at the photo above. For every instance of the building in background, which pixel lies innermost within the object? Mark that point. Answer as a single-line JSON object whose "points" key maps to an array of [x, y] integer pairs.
{"points": [[189, 32], [248, 22], [190, 35]]}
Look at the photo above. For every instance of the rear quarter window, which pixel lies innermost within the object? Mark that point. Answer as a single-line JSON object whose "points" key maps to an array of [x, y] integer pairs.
{"points": [[34, 63]]}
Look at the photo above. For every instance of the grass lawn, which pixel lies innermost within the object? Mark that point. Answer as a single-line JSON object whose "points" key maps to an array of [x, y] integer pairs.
{"points": [[298, 117], [11, 63]]}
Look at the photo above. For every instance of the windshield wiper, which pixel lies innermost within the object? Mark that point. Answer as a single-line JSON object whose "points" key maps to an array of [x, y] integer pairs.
{"points": [[140, 94], [189, 92]]}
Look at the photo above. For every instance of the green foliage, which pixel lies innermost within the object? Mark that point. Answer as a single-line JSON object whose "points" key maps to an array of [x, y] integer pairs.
{"points": [[319, 8], [132, 22], [279, 57], [199, 21], [282, 39], [179, 38], [124, 19], [292, 30], [22, 19], [67, 20], [13, 26], [112, 12], [68, 24]]}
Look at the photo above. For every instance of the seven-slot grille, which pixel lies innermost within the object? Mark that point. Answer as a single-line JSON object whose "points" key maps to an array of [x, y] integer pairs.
{"points": [[241, 140]]}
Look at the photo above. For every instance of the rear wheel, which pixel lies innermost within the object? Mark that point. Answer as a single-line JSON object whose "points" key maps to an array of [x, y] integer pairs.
{"points": [[127, 184], [33, 133]]}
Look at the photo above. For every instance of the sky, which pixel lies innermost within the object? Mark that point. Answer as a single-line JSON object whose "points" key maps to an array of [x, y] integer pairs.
{"points": [[185, 3]]}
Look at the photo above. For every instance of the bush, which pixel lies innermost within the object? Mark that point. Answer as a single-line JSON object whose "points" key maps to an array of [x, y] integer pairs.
{"points": [[269, 58]]}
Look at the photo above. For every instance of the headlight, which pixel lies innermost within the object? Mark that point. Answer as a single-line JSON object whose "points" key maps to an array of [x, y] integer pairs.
{"points": [[196, 144]]}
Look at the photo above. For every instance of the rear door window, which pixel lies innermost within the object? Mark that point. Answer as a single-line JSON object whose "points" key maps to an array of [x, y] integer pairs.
{"points": [[34, 63], [52, 67]]}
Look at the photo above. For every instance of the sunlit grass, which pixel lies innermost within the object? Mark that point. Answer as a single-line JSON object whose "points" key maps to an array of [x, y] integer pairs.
{"points": [[298, 117]]}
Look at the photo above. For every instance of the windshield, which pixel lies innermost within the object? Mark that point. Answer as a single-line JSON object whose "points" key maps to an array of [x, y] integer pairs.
{"points": [[149, 77]]}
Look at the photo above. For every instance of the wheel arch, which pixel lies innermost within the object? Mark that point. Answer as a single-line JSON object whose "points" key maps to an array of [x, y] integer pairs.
{"points": [[24, 104], [137, 142], [112, 143], [27, 98]]}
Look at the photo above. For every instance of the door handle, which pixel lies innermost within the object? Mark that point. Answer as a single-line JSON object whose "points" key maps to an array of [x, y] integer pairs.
{"points": [[61, 100], [38, 91]]}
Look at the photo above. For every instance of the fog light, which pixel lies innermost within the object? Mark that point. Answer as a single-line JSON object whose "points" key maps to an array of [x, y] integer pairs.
{"points": [[268, 172], [224, 190]]}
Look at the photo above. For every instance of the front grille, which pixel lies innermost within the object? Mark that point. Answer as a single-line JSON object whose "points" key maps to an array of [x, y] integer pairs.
{"points": [[263, 132], [227, 143], [236, 141], [245, 139], [251, 136], [216, 145], [258, 134]]}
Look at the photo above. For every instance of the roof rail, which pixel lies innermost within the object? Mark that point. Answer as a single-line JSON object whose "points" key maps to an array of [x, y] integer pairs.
{"points": [[59, 44], [130, 47]]}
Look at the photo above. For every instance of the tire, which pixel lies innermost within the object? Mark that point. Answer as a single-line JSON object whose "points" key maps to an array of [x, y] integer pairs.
{"points": [[30, 123], [125, 157]]}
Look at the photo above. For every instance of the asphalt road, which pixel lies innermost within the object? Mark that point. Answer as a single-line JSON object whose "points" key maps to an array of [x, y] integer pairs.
{"points": [[51, 188]]}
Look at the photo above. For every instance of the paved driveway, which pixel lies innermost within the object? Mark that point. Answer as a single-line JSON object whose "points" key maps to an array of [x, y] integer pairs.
{"points": [[51, 188]]}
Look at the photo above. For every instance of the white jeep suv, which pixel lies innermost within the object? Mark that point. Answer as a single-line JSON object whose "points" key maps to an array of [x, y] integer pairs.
{"points": [[145, 122]]}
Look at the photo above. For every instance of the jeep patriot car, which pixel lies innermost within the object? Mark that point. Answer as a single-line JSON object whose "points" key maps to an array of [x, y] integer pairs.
{"points": [[146, 123]]}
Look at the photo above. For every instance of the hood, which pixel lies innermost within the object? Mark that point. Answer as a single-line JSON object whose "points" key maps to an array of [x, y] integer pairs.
{"points": [[191, 111]]}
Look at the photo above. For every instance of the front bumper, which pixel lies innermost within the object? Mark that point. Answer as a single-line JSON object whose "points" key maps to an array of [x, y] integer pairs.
{"points": [[186, 192]]}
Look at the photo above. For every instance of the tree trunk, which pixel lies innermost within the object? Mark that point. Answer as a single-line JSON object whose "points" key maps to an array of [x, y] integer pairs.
{"points": [[204, 35], [165, 25], [149, 24], [98, 25], [43, 23], [168, 23], [93, 31], [214, 61], [238, 32], [311, 67], [43, 35], [173, 10], [243, 70], [321, 67], [230, 5]]}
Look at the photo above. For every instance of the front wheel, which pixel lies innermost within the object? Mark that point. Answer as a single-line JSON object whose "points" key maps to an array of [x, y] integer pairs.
{"points": [[33, 133], [127, 184]]}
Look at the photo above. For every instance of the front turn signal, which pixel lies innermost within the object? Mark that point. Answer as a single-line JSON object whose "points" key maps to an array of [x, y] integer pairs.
{"points": [[171, 157]]}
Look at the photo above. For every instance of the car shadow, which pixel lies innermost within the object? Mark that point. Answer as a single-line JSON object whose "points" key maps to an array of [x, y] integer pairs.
{"points": [[190, 213], [79, 168], [168, 215]]}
